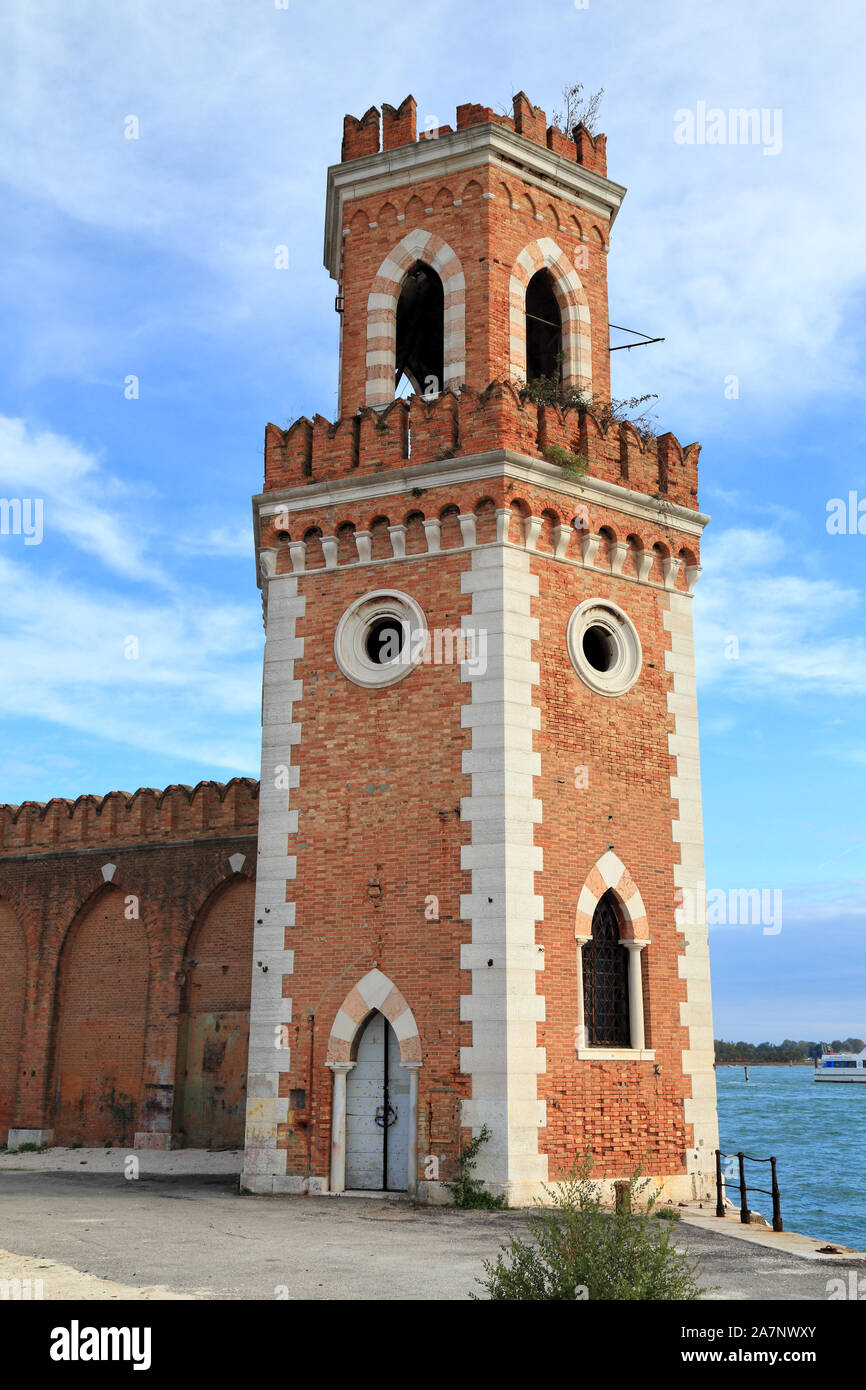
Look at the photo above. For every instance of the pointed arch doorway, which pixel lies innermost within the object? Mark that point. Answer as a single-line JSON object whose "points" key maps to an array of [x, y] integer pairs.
{"points": [[377, 1112], [374, 1054]]}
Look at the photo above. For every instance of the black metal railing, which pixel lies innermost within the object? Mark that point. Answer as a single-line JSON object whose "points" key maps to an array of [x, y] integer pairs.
{"points": [[745, 1213]]}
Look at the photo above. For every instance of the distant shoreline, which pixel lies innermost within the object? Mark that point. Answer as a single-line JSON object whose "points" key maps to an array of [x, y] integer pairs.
{"points": [[806, 1062]]}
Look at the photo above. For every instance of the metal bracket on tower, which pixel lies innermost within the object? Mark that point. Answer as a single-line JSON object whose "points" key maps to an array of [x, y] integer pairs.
{"points": [[637, 334]]}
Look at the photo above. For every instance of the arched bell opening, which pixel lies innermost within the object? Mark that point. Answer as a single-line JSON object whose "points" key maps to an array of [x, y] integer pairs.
{"points": [[543, 329], [419, 363]]}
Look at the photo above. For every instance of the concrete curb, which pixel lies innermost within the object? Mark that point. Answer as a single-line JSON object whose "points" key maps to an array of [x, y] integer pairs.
{"points": [[785, 1242]]}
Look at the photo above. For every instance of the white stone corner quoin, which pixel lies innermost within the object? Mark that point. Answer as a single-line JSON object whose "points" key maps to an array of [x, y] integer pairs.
{"points": [[504, 1007], [689, 875], [270, 1012]]}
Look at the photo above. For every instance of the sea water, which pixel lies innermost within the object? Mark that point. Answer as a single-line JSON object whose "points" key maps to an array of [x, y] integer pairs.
{"points": [[817, 1132]]}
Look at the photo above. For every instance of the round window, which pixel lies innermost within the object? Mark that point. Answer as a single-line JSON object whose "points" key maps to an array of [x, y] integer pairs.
{"points": [[380, 638], [604, 647]]}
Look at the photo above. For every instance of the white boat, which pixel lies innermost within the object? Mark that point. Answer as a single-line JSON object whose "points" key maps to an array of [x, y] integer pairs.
{"points": [[841, 1066]]}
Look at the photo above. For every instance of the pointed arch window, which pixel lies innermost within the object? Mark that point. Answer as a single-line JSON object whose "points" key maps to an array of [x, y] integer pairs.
{"points": [[605, 980], [420, 352], [543, 329]]}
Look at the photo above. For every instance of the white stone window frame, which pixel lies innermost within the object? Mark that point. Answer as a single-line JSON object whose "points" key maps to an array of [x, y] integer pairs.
{"points": [[609, 872], [350, 638], [618, 626], [544, 254], [381, 354]]}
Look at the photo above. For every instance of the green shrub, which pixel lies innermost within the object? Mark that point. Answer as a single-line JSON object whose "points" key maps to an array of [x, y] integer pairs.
{"points": [[567, 459], [469, 1191], [668, 1214], [579, 1250], [29, 1149], [548, 390]]}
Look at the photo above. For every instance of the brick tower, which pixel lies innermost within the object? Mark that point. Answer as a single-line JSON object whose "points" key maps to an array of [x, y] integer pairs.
{"points": [[480, 809]]}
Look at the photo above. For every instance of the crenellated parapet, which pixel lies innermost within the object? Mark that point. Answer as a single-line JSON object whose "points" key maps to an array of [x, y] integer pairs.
{"points": [[414, 431], [178, 812], [395, 127]]}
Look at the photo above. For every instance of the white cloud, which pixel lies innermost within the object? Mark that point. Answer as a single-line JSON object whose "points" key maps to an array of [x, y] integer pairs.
{"points": [[75, 489], [192, 688], [792, 632], [192, 691], [744, 263]]}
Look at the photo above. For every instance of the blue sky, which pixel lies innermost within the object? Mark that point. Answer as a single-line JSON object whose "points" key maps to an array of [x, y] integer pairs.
{"points": [[154, 258]]}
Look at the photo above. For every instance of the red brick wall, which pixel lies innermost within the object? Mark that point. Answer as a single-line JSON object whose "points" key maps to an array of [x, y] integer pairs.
{"points": [[219, 955], [171, 861], [626, 1114], [101, 1019], [213, 1036], [379, 829], [486, 235], [13, 982]]}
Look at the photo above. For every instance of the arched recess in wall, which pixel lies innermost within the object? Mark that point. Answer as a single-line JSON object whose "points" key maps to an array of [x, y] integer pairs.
{"points": [[101, 1017], [13, 986], [571, 300], [214, 1022], [417, 250]]}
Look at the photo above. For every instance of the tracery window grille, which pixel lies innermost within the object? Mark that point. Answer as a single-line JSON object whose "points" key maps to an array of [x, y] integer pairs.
{"points": [[605, 980]]}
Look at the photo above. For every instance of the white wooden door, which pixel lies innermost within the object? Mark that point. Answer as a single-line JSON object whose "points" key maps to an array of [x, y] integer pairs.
{"points": [[377, 1112]]}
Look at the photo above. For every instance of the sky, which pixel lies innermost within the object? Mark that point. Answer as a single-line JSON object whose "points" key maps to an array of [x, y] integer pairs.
{"points": [[148, 337]]}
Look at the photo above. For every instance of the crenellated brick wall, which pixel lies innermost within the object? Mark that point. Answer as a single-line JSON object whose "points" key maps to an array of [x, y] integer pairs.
{"points": [[146, 816], [101, 903], [415, 431], [398, 127]]}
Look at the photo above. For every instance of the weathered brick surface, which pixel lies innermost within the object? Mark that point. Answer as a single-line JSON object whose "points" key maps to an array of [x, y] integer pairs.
{"points": [[470, 423], [487, 233], [379, 830], [96, 1057], [627, 1114]]}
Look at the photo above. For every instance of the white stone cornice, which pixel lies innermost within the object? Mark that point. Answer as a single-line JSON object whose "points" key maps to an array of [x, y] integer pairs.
{"points": [[467, 148], [493, 463]]}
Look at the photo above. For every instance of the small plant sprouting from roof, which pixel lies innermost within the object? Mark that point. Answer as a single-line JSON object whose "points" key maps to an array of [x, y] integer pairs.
{"points": [[548, 390], [567, 459], [577, 109]]}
